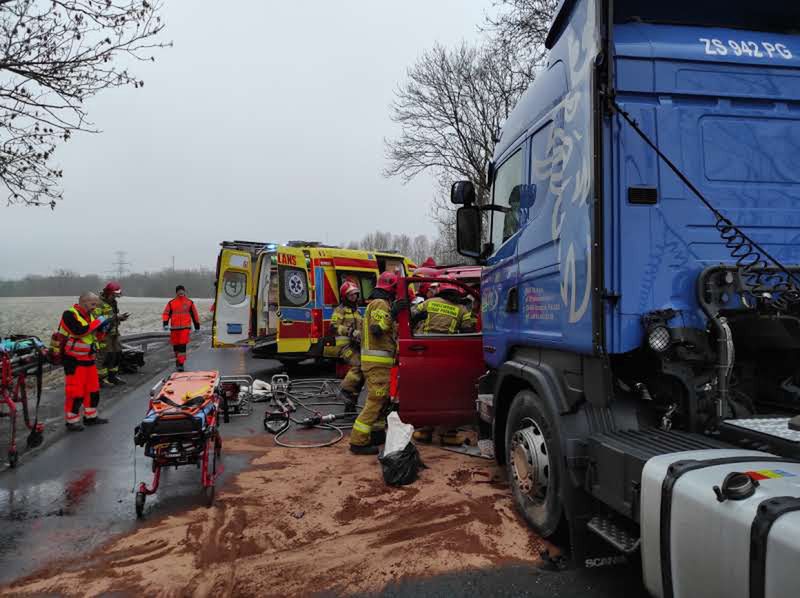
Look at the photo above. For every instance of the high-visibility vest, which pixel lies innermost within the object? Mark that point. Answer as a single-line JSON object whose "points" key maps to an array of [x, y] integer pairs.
{"points": [[181, 313], [81, 348], [378, 349], [443, 317]]}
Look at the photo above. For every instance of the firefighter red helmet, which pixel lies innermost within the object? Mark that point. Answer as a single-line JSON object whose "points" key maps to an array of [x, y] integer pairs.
{"points": [[387, 281], [112, 288], [428, 263], [447, 286], [347, 288]]}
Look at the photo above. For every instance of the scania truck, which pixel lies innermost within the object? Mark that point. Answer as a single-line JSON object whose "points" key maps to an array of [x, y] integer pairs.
{"points": [[641, 292]]}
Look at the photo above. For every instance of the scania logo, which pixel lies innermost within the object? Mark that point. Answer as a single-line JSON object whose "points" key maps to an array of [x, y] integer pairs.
{"points": [[605, 561]]}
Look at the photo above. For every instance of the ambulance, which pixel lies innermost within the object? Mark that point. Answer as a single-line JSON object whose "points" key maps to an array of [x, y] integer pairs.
{"points": [[279, 299]]}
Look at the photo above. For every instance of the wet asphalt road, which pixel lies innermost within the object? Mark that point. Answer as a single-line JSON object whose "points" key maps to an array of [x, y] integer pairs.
{"points": [[75, 494]]}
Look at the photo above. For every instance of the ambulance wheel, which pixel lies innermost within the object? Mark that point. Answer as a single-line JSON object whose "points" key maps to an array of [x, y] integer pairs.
{"points": [[13, 457], [140, 498], [533, 461]]}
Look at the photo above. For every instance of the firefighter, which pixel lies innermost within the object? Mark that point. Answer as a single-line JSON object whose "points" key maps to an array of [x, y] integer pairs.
{"points": [[179, 315], [79, 332], [378, 349], [346, 323], [109, 349], [442, 314]]}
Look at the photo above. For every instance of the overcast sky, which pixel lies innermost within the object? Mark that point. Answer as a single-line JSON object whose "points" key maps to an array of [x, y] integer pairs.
{"points": [[264, 122]]}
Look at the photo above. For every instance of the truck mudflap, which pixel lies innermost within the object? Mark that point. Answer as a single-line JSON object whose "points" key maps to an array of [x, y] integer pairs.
{"points": [[706, 529]]}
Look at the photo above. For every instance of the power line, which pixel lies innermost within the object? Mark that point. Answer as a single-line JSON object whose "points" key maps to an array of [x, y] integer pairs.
{"points": [[121, 266]]}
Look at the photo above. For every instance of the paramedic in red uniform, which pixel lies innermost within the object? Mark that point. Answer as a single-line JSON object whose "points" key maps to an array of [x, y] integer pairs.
{"points": [[79, 331], [179, 315]]}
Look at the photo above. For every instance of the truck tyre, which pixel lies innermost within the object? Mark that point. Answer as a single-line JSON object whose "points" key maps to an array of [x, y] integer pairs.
{"points": [[533, 461]]}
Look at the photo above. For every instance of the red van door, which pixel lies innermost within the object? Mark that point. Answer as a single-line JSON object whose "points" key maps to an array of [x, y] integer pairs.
{"points": [[437, 374]]}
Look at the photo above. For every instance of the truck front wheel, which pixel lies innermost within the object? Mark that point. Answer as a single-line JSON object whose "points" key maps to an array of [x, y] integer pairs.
{"points": [[533, 458]]}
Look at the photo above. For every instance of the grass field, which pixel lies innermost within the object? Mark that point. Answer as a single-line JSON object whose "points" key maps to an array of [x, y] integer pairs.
{"points": [[40, 315]]}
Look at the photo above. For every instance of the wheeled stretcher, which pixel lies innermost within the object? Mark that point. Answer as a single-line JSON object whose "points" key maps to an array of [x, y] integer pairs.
{"points": [[181, 427]]}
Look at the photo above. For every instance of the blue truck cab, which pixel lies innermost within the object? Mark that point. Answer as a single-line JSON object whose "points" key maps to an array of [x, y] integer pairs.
{"points": [[642, 254]]}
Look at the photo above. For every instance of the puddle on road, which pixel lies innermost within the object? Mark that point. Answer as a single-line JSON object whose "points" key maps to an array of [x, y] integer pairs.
{"points": [[70, 516]]}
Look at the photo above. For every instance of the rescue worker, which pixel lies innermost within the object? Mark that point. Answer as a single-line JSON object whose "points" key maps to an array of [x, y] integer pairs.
{"points": [[80, 331], [442, 314], [378, 349], [109, 349], [346, 323], [179, 315]]}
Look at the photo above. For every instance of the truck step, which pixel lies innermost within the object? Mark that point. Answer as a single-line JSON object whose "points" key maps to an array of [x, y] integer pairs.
{"points": [[768, 433], [614, 533]]}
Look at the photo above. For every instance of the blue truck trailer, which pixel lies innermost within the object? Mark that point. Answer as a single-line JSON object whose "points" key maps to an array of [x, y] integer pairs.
{"points": [[641, 292]]}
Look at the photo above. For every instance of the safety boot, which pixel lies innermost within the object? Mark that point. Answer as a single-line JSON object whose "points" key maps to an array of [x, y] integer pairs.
{"points": [[452, 438], [179, 367], [423, 435], [106, 383], [364, 450], [116, 380], [94, 421], [74, 428]]}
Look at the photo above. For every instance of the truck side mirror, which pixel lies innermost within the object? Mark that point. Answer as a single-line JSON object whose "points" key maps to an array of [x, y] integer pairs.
{"points": [[462, 193], [468, 231]]}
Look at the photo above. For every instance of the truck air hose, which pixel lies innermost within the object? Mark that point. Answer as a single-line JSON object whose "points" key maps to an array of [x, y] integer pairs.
{"points": [[751, 258]]}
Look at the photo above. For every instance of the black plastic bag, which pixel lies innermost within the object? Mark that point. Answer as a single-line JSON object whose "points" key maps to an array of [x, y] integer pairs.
{"points": [[401, 467], [131, 360]]}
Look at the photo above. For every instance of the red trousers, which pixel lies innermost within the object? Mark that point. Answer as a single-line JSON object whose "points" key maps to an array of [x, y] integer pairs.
{"points": [[179, 339], [81, 386]]}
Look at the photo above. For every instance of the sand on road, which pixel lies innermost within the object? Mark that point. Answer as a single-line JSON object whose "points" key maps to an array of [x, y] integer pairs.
{"points": [[301, 522]]}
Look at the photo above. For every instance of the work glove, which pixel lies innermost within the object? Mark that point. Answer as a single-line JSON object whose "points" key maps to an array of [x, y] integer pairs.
{"points": [[105, 322], [166, 325], [355, 335], [123, 317], [197, 328], [398, 306]]}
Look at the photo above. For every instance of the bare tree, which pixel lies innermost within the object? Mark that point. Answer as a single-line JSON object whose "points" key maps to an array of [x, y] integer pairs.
{"points": [[450, 110], [521, 26], [54, 55], [421, 248]]}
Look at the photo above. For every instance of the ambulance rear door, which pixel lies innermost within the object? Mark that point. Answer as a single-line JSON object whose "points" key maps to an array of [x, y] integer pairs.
{"points": [[266, 295], [233, 301], [294, 301]]}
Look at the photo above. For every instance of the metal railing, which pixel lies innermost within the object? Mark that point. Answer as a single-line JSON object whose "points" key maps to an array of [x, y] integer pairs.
{"points": [[141, 339]]}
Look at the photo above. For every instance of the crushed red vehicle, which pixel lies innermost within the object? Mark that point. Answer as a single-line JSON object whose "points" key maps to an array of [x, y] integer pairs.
{"points": [[435, 379]]}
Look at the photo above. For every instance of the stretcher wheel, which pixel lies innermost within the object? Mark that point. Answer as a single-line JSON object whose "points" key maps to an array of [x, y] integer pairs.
{"points": [[140, 498], [226, 413], [209, 494], [214, 454], [13, 457]]}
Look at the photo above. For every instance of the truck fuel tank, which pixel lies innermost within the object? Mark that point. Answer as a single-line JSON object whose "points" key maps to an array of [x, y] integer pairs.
{"points": [[721, 523]]}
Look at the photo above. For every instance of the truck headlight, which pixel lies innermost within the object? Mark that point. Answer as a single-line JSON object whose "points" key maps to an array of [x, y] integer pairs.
{"points": [[659, 339]]}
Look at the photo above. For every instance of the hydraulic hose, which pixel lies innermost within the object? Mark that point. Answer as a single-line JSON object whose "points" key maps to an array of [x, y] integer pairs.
{"points": [[302, 393]]}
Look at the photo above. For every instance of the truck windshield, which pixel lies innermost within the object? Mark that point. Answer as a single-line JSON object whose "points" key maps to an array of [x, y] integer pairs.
{"points": [[768, 15]]}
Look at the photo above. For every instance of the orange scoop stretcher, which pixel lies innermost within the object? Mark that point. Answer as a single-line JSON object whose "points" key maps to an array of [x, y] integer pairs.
{"points": [[181, 427]]}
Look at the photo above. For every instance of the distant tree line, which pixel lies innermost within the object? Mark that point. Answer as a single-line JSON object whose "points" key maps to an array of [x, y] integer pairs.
{"points": [[199, 283], [417, 248]]}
